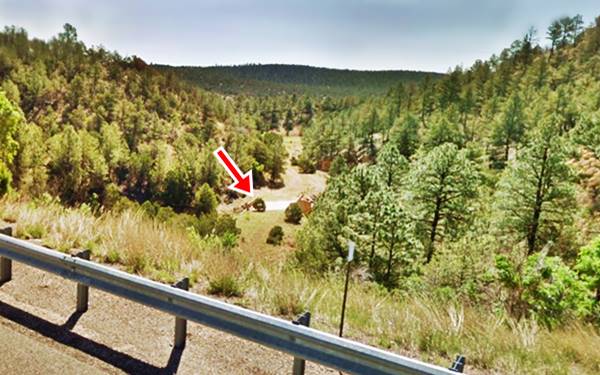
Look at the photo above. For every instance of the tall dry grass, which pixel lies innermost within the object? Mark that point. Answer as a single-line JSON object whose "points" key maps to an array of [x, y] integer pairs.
{"points": [[263, 280]]}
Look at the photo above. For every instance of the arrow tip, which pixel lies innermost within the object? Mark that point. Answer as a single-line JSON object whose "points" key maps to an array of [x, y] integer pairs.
{"points": [[244, 185]]}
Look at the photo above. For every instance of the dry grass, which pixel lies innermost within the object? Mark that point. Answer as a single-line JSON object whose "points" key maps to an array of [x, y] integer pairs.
{"points": [[259, 276]]}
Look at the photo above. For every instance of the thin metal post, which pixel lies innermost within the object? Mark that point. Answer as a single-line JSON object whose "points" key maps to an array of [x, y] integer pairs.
{"points": [[345, 298], [5, 263], [299, 363], [459, 364], [181, 324], [83, 291]]}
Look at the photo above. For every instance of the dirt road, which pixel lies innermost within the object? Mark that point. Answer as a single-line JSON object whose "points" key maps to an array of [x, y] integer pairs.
{"points": [[41, 334], [295, 182]]}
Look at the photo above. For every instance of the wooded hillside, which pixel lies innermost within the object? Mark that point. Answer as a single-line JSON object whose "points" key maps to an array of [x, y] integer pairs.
{"points": [[280, 79]]}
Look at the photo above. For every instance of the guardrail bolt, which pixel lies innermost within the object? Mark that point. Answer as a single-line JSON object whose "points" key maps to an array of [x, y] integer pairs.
{"points": [[299, 363], [181, 324], [83, 291], [459, 364], [5, 263]]}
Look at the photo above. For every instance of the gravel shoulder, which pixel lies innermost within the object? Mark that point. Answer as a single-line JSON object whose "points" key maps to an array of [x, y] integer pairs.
{"points": [[40, 334]]}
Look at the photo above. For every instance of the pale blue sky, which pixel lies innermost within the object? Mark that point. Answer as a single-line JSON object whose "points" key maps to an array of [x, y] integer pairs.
{"points": [[358, 34]]}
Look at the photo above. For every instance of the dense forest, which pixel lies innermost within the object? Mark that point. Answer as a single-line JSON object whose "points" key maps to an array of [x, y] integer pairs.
{"points": [[88, 125], [481, 186], [280, 79]]}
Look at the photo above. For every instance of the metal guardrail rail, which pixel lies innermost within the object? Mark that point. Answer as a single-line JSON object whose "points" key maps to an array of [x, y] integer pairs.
{"points": [[297, 340]]}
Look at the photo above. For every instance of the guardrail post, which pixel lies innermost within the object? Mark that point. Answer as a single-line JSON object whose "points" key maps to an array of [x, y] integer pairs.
{"points": [[83, 290], [299, 363], [5, 263], [459, 364], [181, 324]]}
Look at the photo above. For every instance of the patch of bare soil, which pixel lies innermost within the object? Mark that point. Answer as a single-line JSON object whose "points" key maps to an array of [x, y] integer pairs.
{"points": [[295, 182]]}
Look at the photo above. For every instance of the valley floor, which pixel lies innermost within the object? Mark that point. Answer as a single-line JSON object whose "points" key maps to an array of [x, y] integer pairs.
{"points": [[295, 183]]}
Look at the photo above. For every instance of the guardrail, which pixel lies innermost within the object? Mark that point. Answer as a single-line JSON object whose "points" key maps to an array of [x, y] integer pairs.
{"points": [[302, 342]]}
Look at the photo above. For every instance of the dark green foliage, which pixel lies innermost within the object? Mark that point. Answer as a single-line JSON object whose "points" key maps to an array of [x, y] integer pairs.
{"points": [[205, 201], [406, 136], [5, 179], [535, 195], [226, 224], [306, 165], [275, 235], [277, 79], [89, 119], [293, 214], [10, 119], [510, 128], [259, 205], [226, 286], [338, 166]]}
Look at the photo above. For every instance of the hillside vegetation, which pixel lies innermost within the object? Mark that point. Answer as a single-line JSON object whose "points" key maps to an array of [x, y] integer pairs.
{"points": [[473, 198], [470, 188], [280, 79]]}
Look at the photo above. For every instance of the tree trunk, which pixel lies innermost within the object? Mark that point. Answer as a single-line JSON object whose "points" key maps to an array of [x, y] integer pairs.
{"points": [[390, 257], [434, 224], [537, 208], [373, 242]]}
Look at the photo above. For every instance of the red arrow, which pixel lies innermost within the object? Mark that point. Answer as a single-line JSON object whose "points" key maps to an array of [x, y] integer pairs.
{"points": [[242, 183]]}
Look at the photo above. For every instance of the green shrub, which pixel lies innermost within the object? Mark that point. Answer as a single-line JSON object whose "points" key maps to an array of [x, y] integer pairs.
{"points": [[226, 224], [112, 257], [150, 208], [165, 214], [35, 231], [205, 200], [206, 224], [288, 303], [229, 240], [275, 235], [112, 195], [293, 214], [306, 165], [259, 205], [5, 179], [338, 166], [544, 288], [225, 285]]}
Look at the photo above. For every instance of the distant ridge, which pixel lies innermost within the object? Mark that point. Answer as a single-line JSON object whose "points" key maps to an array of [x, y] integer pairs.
{"points": [[269, 79]]}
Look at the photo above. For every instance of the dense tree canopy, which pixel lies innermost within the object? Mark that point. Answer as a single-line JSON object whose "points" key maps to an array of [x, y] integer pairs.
{"points": [[472, 180]]}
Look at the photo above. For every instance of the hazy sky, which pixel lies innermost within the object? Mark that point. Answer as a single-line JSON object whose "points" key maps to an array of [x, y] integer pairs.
{"points": [[357, 34]]}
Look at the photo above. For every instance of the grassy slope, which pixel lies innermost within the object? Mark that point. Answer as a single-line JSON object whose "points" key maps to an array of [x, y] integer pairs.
{"points": [[294, 79], [410, 325]]}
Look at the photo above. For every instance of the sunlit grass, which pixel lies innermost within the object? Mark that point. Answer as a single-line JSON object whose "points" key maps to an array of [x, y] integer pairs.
{"points": [[261, 277]]}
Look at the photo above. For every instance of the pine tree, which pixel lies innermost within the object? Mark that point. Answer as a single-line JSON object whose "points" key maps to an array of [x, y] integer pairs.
{"points": [[205, 201], [10, 120], [535, 195], [406, 137], [391, 164], [441, 187], [399, 246], [510, 127]]}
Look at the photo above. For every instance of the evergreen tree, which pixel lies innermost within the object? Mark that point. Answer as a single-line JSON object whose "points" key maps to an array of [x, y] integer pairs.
{"points": [[510, 127], [441, 187], [406, 137], [205, 201], [535, 195]]}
